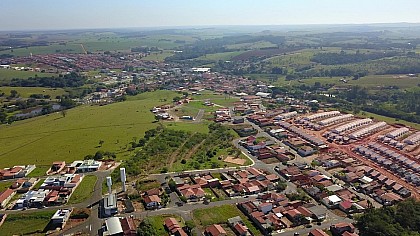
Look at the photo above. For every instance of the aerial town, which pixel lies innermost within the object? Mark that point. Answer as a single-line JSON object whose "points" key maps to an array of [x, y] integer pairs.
{"points": [[310, 130]]}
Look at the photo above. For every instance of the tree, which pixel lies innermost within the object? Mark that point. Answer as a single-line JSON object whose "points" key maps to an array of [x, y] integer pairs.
{"points": [[146, 228], [13, 93], [183, 198], [281, 186], [101, 142], [63, 113]]}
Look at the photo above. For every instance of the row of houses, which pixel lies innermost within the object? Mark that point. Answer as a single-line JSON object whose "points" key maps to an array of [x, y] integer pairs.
{"points": [[393, 161], [275, 211], [53, 191], [16, 172]]}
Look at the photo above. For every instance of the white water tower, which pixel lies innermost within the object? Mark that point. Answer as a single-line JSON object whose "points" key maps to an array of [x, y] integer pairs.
{"points": [[109, 184], [123, 178]]}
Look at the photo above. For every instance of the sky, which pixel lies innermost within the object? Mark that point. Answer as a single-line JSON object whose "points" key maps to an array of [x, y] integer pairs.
{"points": [[80, 14]]}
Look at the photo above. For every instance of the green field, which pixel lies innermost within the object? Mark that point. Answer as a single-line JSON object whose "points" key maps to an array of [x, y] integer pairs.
{"points": [[84, 190], [220, 215], [25, 92], [26, 223], [40, 170], [201, 127], [8, 74], [49, 138]]}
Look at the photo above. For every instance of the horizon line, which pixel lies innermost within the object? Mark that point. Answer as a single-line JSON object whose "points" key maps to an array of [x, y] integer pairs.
{"points": [[166, 27]]}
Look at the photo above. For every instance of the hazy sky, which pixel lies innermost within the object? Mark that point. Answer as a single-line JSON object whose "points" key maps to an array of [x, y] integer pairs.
{"points": [[71, 14]]}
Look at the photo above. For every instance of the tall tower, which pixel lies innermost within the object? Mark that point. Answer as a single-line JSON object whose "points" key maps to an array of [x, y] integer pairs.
{"points": [[123, 179], [109, 184]]}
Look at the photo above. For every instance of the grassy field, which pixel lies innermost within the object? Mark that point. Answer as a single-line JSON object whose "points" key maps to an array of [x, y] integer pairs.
{"points": [[25, 92], [39, 171], [158, 56], [201, 127], [45, 139], [157, 223], [6, 74], [220, 215], [84, 190], [26, 223]]}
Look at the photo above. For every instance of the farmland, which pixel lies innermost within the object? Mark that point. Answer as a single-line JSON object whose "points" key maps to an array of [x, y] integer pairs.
{"points": [[44, 139]]}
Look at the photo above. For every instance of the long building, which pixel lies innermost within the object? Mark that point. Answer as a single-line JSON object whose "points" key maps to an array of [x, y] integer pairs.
{"points": [[397, 133], [351, 125], [413, 139], [335, 119], [322, 115], [367, 130]]}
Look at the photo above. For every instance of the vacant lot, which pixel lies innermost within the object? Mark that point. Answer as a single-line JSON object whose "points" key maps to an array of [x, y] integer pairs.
{"points": [[26, 223], [45, 139], [220, 215], [84, 190]]}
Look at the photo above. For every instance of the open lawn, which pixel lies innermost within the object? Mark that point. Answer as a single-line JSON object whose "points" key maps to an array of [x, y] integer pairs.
{"points": [[25, 92], [84, 190], [49, 138], [220, 215], [8, 74], [26, 223]]}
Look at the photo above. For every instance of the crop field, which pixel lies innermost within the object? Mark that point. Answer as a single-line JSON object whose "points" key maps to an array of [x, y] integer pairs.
{"points": [[25, 92], [26, 223], [220, 215], [45, 139], [7, 74]]}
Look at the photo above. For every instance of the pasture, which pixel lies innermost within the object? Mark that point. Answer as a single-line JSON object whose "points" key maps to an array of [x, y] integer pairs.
{"points": [[45, 139], [25, 92], [223, 56], [8, 74]]}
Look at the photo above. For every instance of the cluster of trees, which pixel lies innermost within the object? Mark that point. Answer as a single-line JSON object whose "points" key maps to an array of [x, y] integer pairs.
{"points": [[68, 80], [145, 49], [332, 58], [99, 155], [400, 220]]}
